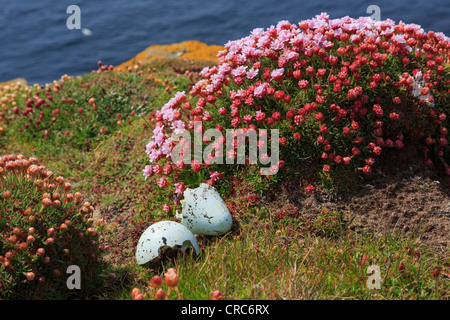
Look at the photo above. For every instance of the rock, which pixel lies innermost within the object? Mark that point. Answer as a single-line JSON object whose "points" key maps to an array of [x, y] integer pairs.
{"points": [[188, 50], [20, 81]]}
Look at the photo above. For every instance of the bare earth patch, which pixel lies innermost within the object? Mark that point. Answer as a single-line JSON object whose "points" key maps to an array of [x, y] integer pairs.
{"points": [[402, 195]]}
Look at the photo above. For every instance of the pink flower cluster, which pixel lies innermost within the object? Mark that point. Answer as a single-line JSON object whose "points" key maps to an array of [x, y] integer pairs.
{"points": [[337, 84]]}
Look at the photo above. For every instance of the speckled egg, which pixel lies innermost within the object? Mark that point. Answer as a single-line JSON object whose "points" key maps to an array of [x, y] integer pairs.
{"points": [[164, 233], [204, 211]]}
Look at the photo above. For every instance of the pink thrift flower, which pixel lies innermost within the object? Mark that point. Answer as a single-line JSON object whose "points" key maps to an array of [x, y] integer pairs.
{"points": [[162, 183], [252, 73], [179, 188], [310, 189], [277, 74], [148, 171], [215, 176]]}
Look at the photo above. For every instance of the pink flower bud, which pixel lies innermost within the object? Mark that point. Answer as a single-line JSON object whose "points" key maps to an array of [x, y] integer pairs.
{"points": [[171, 279], [216, 295], [436, 273], [155, 282], [160, 294], [30, 276], [40, 252]]}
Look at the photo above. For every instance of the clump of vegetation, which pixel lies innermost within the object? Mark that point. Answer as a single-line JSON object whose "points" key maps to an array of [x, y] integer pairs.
{"points": [[159, 288], [44, 229], [77, 112], [339, 92]]}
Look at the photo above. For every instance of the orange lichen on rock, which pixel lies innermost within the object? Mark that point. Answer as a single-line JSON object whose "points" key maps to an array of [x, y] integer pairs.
{"points": [[200, 51], [13, 82], [189, 50]]}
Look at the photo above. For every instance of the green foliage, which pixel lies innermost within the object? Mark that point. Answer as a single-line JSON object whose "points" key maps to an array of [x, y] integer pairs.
{"points": [[44, 229]]}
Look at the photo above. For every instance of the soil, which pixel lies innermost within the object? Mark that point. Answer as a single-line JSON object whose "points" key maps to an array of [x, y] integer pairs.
{"points": [[402, 195]]}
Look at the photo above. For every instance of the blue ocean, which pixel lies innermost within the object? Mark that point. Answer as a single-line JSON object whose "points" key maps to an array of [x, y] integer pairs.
{"points": [[37, 45]]}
